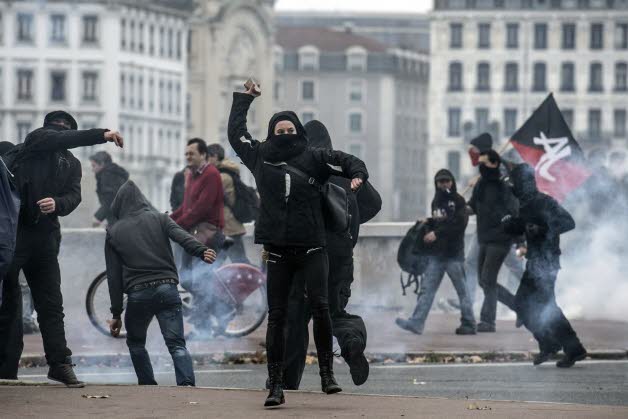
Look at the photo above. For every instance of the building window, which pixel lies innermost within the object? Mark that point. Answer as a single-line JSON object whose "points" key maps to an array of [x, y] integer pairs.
{"points": [[512, 35], [162, 42], [161, 96], [621, 77], [170, 43], [568, 117], [90, 29], [454, 122], [453, 163], [595, 77], [484, 35], [178, 97], [512, 77], [567, 77], [140, 40], [1, 30], [356, 91], [481, 120], [455, 77], [122, 90], [170, 97], [277, 90], [151, 94], [132, 35], [25, 27], [179, 47], [24, 85], [57, 86], [538, 84], [278, 58], [23, 129], [151, 40], [455, 35], [122, 34], [90, 86], [619, 130], [540, 36], [355, 123], [569, 36], [595, 124], [131, 91], [307, 117], [308, 60], [140, 92], [484, 77], [356, 60], [307, 90], [510, 122], [621, 36], [597, 35], [57, 29]]}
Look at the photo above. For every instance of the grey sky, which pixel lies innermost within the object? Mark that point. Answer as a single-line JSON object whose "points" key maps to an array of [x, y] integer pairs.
{"points": [[357, 5]]}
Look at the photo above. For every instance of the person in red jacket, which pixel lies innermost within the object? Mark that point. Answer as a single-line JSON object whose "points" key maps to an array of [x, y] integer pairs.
{"points": [[202, 210]]}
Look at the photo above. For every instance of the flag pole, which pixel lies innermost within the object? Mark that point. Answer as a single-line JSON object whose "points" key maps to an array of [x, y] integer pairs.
{"points": [[501, 151]]}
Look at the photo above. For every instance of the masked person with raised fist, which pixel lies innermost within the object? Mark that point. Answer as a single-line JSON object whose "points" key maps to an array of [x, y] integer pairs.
{"points": [[291, 225]]}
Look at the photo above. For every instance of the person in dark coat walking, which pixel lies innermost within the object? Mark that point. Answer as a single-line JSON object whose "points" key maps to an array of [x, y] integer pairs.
{"points": [[177, 189], [445, 241], [349, 329], [542, 220], [140, 263], [109, 178], [492, 199], [49, 180], [291, 226]]}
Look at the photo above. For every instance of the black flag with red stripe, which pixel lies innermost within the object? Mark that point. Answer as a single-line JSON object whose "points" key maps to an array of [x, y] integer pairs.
{"points": [[546, 143]]}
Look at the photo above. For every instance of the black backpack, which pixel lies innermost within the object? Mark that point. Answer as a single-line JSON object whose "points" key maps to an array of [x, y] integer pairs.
{"points": [[246, 206], [9, 215], [412, 256]]}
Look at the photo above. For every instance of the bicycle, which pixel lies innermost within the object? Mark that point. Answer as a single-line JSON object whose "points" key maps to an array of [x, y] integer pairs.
{"points": [[238, 305]]}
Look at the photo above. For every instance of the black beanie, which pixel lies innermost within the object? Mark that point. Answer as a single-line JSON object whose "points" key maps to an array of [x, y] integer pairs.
{"points": [[483, 142], [5, 147]]}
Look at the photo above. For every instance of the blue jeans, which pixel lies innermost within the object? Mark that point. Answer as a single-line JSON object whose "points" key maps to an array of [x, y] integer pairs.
{"points": [[164, 303], [432, 278]]}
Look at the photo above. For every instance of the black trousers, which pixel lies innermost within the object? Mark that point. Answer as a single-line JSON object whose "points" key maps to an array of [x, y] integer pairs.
{"points": [[36, 253], [490, 260], [536, 306], [347, 328], [285, 266]]}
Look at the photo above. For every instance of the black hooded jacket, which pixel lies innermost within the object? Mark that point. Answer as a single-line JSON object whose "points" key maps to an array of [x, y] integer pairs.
{"points": [[108, 181], [363, 205], [137, 247], [449, 220], [491, 201], [291, 212], [541, 210], [44, 168]]}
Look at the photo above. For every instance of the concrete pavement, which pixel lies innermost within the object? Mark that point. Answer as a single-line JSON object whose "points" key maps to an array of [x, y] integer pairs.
{"points": [[168, 402]]}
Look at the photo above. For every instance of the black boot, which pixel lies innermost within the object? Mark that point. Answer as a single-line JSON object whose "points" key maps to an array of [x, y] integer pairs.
{"points": [[358, 364], [275, 384], [64, 373], [326, 368]]}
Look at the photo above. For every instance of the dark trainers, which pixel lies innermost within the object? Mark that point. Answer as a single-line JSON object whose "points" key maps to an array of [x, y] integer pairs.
{"points": [[358, 364], [407, 325], [569, 360], [465, 330], [64, 373], [486, 328], [542, 357]]}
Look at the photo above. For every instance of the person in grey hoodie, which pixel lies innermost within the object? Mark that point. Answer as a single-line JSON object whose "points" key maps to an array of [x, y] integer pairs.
{"points": [[140, 263]]}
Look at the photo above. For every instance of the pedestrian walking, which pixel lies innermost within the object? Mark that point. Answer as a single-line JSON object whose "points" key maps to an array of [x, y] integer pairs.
{"points": [[291, 226], [109, 178], [445, 247], [543, 221], [49, 181], [349, 329], [140, 263]]}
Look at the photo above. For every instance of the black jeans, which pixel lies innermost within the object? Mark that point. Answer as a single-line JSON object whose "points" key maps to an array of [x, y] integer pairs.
{"points": [[36, 253], [285, 266], [537, 308], [164, 303], [490, 260], [349, 329]]}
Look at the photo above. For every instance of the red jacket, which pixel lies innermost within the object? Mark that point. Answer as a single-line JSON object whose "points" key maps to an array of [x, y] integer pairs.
{"points": [[203, 200]]}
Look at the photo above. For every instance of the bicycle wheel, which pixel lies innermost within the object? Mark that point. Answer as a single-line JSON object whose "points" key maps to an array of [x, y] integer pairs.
{"points": [[98, 305]]}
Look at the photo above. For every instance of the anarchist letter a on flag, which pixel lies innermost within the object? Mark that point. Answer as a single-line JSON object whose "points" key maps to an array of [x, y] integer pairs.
{"points": [[546, 143]]}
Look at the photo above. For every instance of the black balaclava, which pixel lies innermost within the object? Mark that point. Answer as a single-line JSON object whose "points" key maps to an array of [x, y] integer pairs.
{"points": [[523, 183], [318, 136], [281, 148], [490, 173], [483, 143], [57, 115]]}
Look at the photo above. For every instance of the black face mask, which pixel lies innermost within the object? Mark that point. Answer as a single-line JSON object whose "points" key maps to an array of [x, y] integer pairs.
{"points": [[281, 148], [489, 173], [443, 195]]}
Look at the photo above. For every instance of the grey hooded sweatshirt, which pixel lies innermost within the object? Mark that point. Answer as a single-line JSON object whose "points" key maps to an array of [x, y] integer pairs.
{"points": [[137, 248]]}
